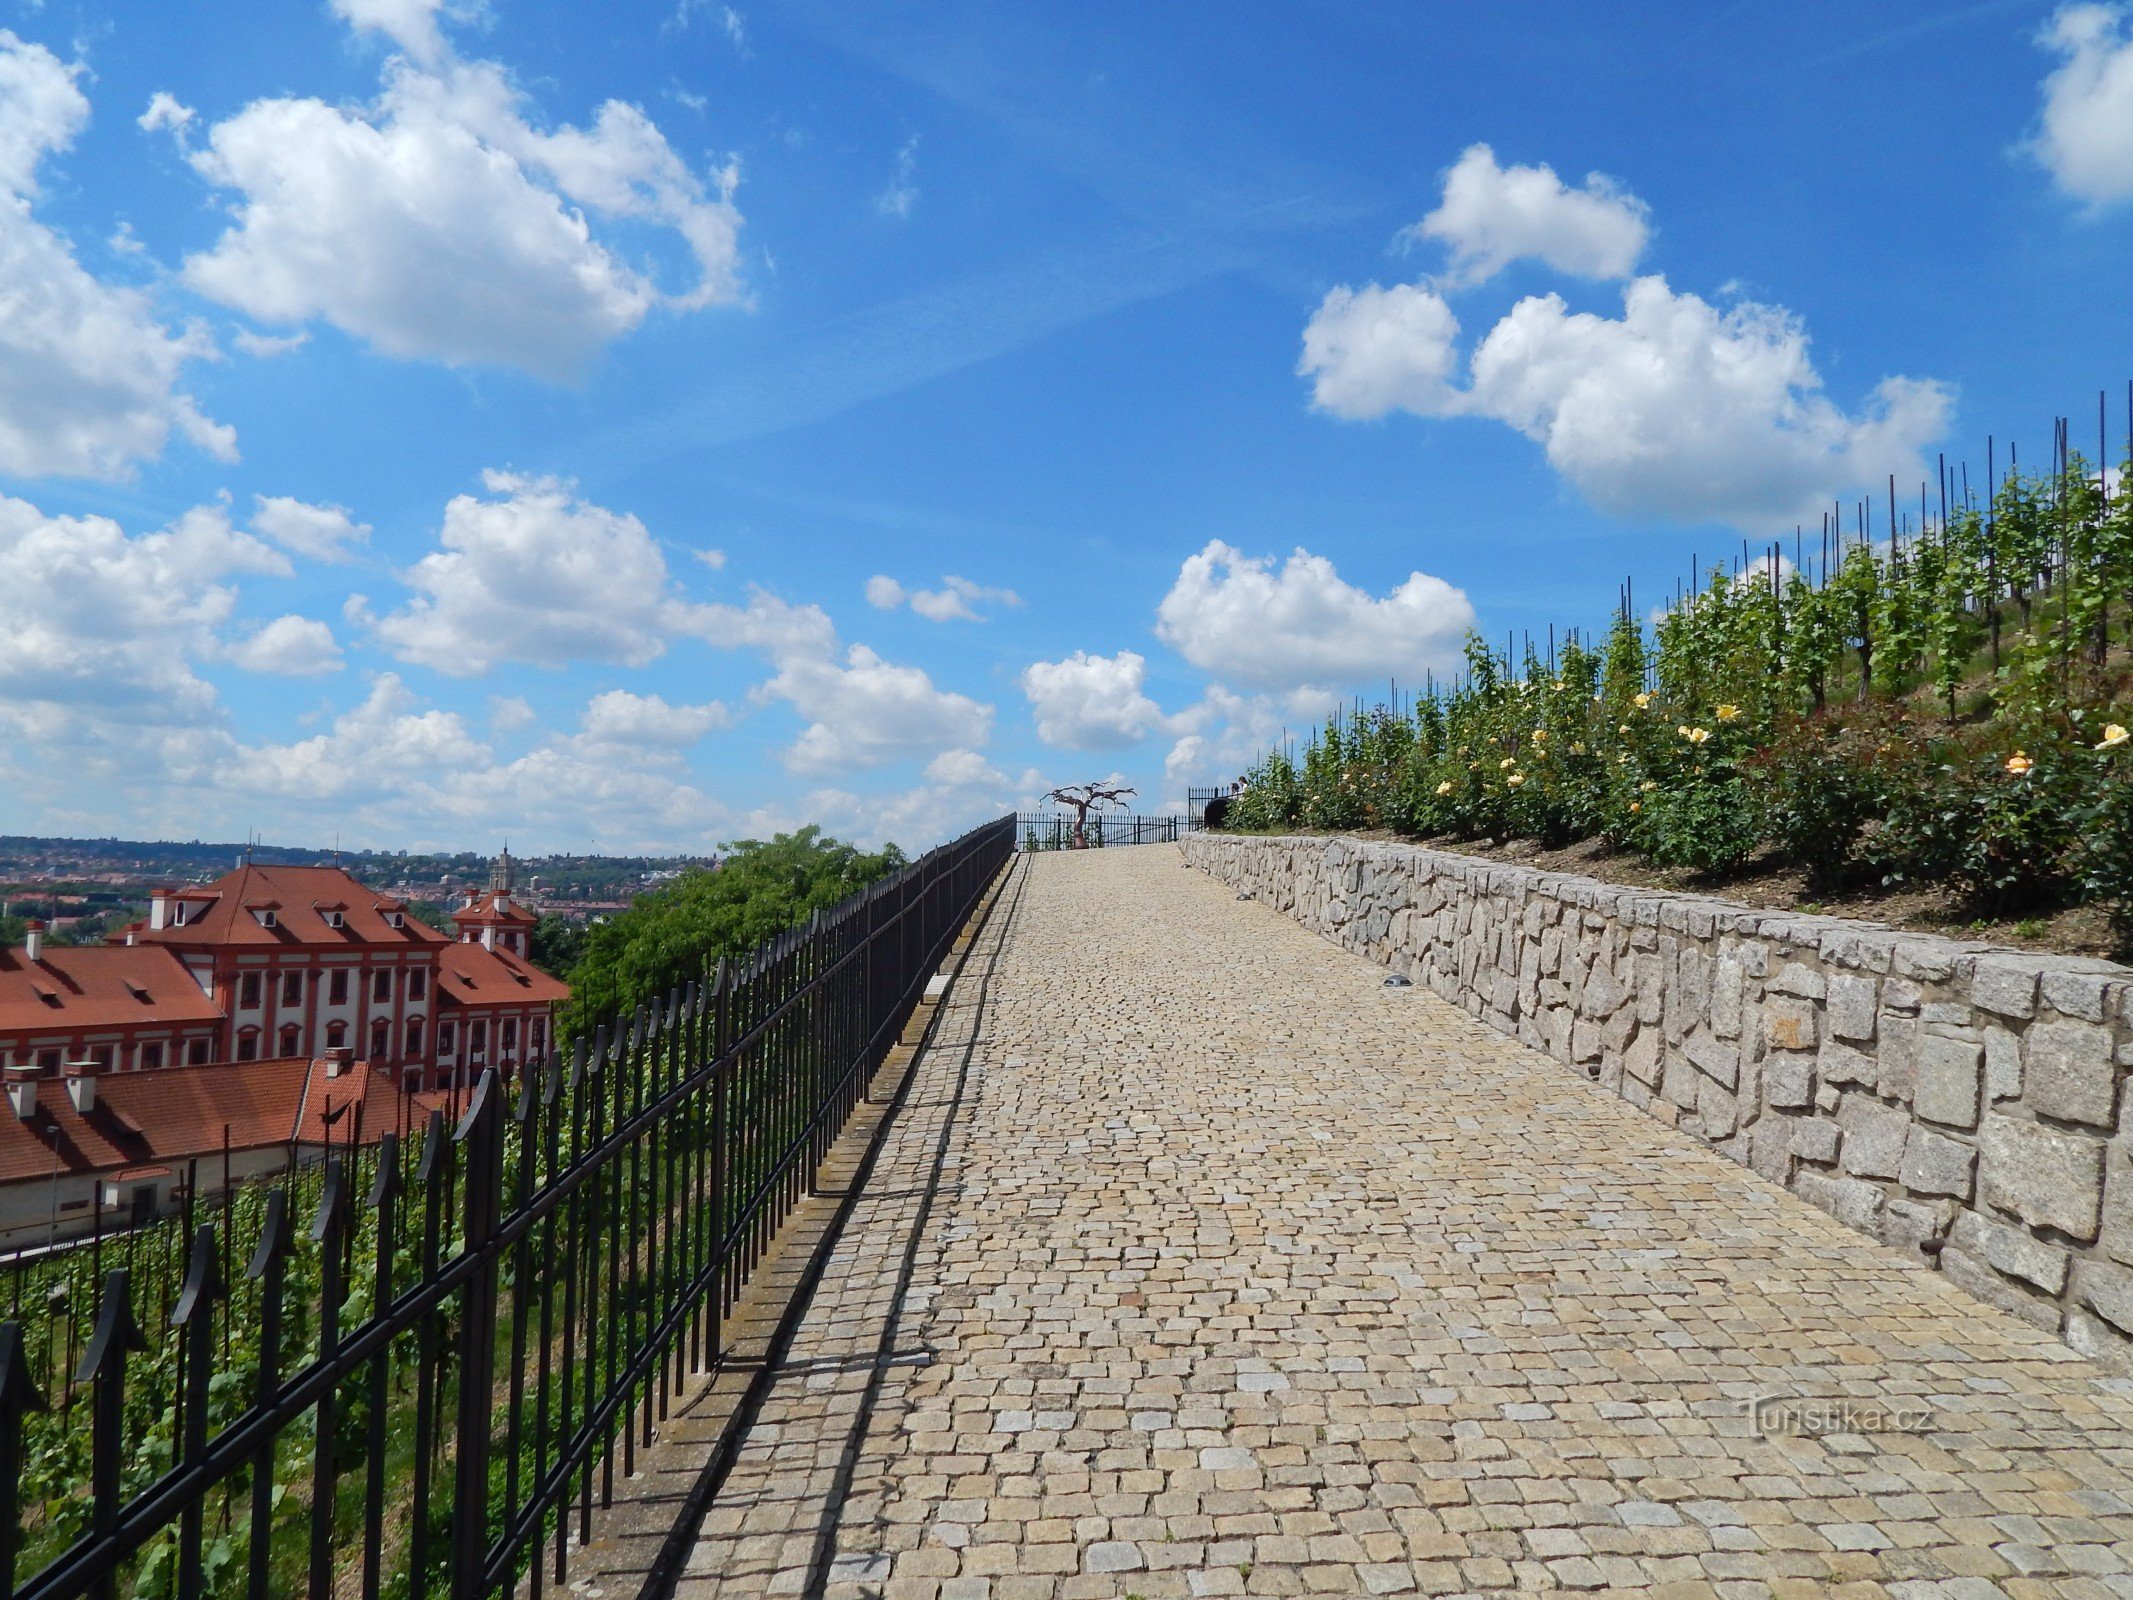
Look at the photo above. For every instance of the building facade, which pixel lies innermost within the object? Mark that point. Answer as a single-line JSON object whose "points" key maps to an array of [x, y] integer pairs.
{"points": [[117, 1007], [285, 963]]}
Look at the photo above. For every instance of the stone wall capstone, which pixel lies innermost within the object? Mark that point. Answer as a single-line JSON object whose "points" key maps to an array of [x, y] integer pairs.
{"points": [[1957, 1101]]}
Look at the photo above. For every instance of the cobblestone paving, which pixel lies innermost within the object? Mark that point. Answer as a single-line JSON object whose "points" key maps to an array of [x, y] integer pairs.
{"points": [[1199, 1263]]}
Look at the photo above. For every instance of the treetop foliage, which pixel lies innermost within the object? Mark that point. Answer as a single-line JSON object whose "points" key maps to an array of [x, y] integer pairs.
{"points": [[677, 932]]}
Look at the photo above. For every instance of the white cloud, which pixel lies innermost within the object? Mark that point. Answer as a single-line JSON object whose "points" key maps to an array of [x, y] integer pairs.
{"points": [[324, 533], [1678, 409], [958, 790], [1302, 628], [1227, 733], [88, 375], [1092, 702], [509, 713], [964, 769], [268, 344], [289, 647], [1491, 216], [410, 24], [534, 575], [165, 111], [618, 717], [863, 711], [96, 622], [2085, 137], [902, 192], [383, 741], [1373, 350], [42, 109], [956, 600], [442, 223]]}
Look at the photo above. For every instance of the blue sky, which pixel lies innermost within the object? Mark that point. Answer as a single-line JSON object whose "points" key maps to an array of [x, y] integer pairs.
{"points": [[637, 427]]}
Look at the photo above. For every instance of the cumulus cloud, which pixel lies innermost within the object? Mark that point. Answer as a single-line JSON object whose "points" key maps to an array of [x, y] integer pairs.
{"points": [[618, 717], [956, 600], [289, 647], [1677, 408], [1226, 732], [89, 377], [1372, 350], [860, 710], [96, 621], [863, 711], [1301, 627], [1092, 702], [509, 713], [324, 533], [534, 574], [410, 24], [384, 739], [2085, 125], [165, 112], [442, 222], [1491, 216], [1680, 409]]}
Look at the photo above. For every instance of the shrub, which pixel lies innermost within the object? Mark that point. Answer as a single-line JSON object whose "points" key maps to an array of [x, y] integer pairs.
{"points": [[1815, 796]]}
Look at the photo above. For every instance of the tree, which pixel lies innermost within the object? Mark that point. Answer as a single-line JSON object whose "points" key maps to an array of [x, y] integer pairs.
{"points": [[679, 930], [1084, 798], [556, 944]]}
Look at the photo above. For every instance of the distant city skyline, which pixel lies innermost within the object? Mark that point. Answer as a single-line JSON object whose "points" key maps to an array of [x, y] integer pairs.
{"points": [[622, 430]]}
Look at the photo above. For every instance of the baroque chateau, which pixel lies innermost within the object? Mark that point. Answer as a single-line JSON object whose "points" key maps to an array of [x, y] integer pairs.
{"points": [[276, 963]]}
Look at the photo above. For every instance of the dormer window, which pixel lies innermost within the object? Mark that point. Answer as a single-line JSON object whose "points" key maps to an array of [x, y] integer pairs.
{"points": [[178, 919], [396, 919], [265, 916], [336, 920]]}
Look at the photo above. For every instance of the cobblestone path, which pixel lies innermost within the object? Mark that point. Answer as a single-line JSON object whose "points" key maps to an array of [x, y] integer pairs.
{"points": [[1200, 1263]]}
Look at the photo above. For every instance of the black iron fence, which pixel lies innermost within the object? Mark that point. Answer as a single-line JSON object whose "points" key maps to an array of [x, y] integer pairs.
{"points": [[412, 1370], [1054, 830]]}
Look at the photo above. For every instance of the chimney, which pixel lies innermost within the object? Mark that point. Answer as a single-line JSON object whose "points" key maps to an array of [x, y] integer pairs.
{"points": [[338, 1060], [22, 1088], [158, 909], [488, 937], [33, 940], [80, 1077]]}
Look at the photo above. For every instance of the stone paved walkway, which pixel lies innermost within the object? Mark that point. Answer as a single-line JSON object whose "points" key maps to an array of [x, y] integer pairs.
{"points": [[1199, 1263]]}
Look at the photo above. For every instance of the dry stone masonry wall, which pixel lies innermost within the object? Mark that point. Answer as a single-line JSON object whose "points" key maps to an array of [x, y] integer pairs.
{"points": [[1957, 1101]]}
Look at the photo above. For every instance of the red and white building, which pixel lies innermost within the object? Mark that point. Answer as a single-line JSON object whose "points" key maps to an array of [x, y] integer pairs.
{"points": [[120, 1008], [278, 963]]}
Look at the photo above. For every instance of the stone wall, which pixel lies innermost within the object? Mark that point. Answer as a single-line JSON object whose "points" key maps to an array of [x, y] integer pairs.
{"points": [[1957, 1101]]}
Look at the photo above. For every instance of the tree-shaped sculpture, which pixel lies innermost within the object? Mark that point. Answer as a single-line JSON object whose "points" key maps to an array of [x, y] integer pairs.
{"points": [[1084, 798]]}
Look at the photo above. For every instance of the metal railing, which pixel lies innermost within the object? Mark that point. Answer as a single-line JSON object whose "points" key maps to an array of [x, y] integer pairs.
{"points": [[422, 1387], [1054, 830]]}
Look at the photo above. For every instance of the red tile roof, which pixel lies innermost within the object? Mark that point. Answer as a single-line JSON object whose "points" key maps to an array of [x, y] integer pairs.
{"points": [[97, 986], [178, 1113], [470, 975], [487, 910], [300, 898]]}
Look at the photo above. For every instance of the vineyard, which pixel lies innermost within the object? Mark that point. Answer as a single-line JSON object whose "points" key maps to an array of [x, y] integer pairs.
{"points": [[1931, 701]]}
